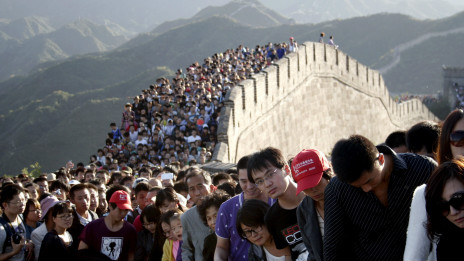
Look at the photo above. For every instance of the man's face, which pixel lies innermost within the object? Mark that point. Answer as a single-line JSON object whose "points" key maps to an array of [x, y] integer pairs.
{"points": [[140, 198], [93, 200], [16, 205], [271, 180], [118, 214], [250, 189], [369, 180], [81, 200], [197, 188], [102, 177], [43, 186]]}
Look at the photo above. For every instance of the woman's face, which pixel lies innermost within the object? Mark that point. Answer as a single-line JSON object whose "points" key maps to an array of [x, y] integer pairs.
{"points": [[34, 214], [455, 216], [63, 220], [168, 205], [150, 226], [458, 151], [256, 235]]}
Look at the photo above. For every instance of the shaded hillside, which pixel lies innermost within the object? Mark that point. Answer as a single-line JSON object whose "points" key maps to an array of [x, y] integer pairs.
{"points": [[245, 12], [34, 43], [316, 11], [29, 123]]}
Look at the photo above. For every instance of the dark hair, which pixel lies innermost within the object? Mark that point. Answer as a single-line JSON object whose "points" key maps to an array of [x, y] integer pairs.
{"points": [[39, 179], [219, 176], [168, 194], [141, 186], [30, 202], [214, 199], [114, 188], [166, 217], [9, 192], [352, 156], [114, 176], [243, 162], [251, 214], [75, 188], [437, 223], [180, 186], [60, 208], [423, 134], [264, 159], [151, 213], [396, 139], [444, 148], [228, 187], [57, 184]]}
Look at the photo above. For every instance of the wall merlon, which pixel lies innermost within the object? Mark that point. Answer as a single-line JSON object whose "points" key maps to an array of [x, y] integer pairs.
{"points": [[315, 78]]}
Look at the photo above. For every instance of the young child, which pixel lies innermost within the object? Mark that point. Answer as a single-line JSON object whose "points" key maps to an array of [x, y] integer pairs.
{"points": [[208, 210], [172, 228], [115, 132]]}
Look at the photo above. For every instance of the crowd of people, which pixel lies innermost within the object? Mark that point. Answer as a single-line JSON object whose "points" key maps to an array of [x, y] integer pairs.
{"points": [[459, 92], [145, 196], [427, 99], [175, 121], [399, 200]]}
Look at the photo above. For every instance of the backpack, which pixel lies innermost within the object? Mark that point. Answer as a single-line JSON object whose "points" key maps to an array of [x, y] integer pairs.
{"points": [[4, 221]]}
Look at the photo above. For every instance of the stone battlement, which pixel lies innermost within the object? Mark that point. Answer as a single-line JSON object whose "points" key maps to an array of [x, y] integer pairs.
{"points": [[310, 99]]}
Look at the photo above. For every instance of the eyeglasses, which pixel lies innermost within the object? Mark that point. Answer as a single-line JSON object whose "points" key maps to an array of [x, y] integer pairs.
{"points": [[456, 201], [267, 176], [249, 233], [148, 224], [65, 217], [18, 202], [457, 138]]}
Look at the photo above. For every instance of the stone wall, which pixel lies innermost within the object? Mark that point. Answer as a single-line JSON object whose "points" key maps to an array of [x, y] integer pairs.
{"points": [[310, 99]]}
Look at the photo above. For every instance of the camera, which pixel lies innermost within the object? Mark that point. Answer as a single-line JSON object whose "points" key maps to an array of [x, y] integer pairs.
{"points": [[17, 238]]}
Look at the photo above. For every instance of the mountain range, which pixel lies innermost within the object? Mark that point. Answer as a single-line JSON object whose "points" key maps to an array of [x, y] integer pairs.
{"points": [[62, 109], [29, 41]]}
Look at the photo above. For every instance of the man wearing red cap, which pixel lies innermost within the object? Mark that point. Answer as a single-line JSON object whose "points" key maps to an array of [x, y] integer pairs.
{"points": [[112, 235], [312, 172]]}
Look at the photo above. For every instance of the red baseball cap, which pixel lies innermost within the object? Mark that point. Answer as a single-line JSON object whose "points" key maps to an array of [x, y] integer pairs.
{"points": [[122, 199], [307, 168]]}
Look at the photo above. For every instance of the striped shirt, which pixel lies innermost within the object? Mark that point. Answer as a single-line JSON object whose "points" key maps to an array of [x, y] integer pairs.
{"points": [[359, 227]]}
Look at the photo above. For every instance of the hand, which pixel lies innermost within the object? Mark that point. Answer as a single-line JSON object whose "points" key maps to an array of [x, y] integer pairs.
{"points": [[17, 247], [29, 249]]}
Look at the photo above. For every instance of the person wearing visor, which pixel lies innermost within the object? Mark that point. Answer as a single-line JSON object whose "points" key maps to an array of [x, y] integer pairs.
{"points": [[444, 199], [367, 202], [312, 173], [111, 236]]}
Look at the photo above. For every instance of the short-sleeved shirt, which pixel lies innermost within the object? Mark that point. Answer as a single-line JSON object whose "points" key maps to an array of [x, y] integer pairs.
{"points": [[21, 229], [226, 228], [116, 245], [283, 226]]}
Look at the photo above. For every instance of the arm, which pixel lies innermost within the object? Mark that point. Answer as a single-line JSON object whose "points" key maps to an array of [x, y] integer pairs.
{"points": [[82, 245], [301, 218], [334, 226], [222, 249], [417, 242], [15, 251], [187, 244]]}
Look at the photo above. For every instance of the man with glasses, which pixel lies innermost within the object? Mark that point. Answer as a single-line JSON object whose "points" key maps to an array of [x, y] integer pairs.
{"points": [[367, 204], [230, 246], [12, 229], [269, 170]]}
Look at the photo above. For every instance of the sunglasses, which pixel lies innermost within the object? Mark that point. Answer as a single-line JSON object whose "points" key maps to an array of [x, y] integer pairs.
{"points": [[456, 201], [457, 138]]}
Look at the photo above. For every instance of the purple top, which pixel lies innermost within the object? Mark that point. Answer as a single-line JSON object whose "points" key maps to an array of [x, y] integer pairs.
{"points": [[225, 228]]}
